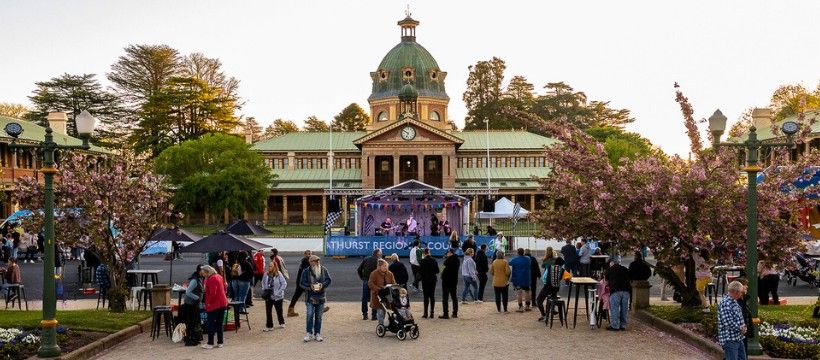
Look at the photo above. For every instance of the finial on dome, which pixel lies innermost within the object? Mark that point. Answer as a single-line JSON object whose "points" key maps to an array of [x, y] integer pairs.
{"points": [[408, 26]]}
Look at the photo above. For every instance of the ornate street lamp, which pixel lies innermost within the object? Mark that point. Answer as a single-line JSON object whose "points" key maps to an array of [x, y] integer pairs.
{"points": [[717, 125], [85, 126]]}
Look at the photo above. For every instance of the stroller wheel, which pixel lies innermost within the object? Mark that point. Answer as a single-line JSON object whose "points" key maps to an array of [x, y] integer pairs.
{"points": [[414, 332], [380, 330], [401, 334]]}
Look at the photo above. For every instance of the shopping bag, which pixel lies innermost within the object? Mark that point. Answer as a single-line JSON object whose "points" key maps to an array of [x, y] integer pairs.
{"points": [[179, 333]]}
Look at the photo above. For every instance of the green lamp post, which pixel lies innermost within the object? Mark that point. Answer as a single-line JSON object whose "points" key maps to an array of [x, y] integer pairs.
{"points": [[717, 125], [85, 125]]}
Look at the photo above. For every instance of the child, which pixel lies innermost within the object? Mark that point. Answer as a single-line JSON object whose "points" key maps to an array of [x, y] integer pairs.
{"points": [[402, 305]]}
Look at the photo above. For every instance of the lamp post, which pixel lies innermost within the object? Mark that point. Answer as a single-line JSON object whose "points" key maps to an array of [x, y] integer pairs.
{"points": [[85, 125], [717, 125]]}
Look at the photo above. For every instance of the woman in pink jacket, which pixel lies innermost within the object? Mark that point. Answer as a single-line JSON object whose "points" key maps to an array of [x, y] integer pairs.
{"points": [[215, 305]]}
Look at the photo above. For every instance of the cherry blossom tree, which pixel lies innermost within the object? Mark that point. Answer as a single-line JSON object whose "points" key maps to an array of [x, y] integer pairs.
{"points": [[675, 206], [111, 208]]}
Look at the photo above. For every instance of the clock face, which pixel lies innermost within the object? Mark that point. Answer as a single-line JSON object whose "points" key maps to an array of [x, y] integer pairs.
{"points": [[14, 129], [790, 128], [408, 133]]}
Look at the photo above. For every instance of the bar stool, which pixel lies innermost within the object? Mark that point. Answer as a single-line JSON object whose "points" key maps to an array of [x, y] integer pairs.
{"points": [[144, 300], [237, 312], [162, 317], [19, 296], [556, 303]]}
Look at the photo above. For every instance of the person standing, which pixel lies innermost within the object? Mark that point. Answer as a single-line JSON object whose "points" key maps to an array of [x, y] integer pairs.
{"points": [[500, 271], [314, 281], [769, 281], [470, 277], [585, 258], [617, 277], [367, 266], [535, 274], [521, 279], [415, 255], [481, 267], [243, 274], [454, 242], [469, 244], [258, 269], [428, 271], [273, 290], [449, 283], [570, 256], [731, 328], [639, 269], [215, 305], [298, 291], [379, 279], [498, 243], [399, 271], [189, 311]]}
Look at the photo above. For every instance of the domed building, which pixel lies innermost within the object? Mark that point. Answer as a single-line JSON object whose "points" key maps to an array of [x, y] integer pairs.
{"points": [[409, 137]]}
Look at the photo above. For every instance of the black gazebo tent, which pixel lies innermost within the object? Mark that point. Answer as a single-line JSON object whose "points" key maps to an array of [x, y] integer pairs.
{"points": [[245, 228]]}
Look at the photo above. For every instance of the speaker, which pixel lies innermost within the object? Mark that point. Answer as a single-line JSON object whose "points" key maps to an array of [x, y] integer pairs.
{"points": [[333, 206], [489, 205]]}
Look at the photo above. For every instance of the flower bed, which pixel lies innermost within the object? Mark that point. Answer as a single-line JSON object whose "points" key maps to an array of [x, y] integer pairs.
{"points": [[784, 340], [21, 343]]}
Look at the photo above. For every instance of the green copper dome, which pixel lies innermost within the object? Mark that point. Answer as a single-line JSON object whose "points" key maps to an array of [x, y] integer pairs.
{"points": [[408, 62], [408, 92]]}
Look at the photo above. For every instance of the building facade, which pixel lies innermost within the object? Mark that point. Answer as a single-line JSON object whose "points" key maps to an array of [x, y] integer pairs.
{"points": [[409, 137]]}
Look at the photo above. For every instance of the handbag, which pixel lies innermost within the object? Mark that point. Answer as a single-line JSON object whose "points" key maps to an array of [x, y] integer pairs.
{"points": [[268, 293]]}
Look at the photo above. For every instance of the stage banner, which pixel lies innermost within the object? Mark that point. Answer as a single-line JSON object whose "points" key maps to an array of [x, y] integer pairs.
{"points": [[364, 245]]}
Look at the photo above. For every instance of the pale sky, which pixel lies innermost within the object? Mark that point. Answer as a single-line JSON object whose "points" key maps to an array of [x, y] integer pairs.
{"points": [[300, 58]]}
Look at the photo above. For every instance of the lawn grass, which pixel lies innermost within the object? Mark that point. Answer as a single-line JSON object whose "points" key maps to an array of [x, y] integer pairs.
{"points": [[83, 320], [774, 314]]}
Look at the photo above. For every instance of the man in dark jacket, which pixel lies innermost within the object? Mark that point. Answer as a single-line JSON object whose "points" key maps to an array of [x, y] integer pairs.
{"points": [[299, 291], [619, 288], [428, 271], [639, 269], [747, 314], [571, 260], [449, 283], [535, 275], [365, 268], [482, 266], [399, 271], [469, 244]]}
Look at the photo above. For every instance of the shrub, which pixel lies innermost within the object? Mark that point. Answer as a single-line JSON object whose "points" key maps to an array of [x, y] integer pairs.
{"points": [[776, 347]]}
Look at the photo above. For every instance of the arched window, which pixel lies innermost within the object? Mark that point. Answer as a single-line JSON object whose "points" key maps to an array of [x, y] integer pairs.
{"points": [[434, 116], [382, 116]]}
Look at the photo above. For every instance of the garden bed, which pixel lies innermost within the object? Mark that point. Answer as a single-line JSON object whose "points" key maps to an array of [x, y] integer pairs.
{"points": [[787, 331], [20, 335]]}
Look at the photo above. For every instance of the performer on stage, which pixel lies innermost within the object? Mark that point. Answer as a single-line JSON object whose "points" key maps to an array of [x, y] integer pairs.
{"points": [[412, 225], [387, 227], [434, 227]]}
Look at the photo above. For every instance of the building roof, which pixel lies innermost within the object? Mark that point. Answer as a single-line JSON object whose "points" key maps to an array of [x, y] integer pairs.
{"points": [[36, 133], [765, 133], [408, 53], [344, 141], [310, 141], [503, 140], [523, 173], [284, 175]]}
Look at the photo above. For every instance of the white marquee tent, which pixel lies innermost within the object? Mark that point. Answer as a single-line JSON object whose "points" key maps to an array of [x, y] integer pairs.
{"points": [[503, 210]]}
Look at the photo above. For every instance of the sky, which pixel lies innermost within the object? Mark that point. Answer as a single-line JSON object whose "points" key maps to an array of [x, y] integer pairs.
{"points": [[300, 58]]}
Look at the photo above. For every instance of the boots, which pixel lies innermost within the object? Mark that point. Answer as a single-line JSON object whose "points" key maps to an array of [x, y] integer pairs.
{"points": [[292, 313]]}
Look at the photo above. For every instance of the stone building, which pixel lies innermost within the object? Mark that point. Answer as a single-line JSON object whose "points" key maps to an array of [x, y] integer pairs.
{"points": [[409, 137]]}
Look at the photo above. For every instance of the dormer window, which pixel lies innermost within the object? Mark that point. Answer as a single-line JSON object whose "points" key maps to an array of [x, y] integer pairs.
{"points": [[382, 116], [407, 73], [434, 116], [434, 75], [383, 75]]}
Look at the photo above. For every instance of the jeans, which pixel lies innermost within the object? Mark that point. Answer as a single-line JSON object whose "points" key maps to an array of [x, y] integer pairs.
{"points": [[416, 276], [240, 290], [366, 300], [502, 293], [618, 309], [482, 283], [269, 315], [380, 316], [314, 317], [734, 350], [469, 284], [215, 319]]}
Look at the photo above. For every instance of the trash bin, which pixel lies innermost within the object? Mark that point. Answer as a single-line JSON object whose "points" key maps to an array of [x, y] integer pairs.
{"points": [[161, 295]]}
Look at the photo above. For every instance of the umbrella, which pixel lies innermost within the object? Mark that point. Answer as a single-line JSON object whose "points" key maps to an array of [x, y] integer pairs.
{"points": [[165, 236], [243, 227], [223, 241]]}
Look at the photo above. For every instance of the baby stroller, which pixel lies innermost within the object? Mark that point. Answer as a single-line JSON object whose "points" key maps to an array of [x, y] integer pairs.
{"points": [[395, 323], [805, 271]]}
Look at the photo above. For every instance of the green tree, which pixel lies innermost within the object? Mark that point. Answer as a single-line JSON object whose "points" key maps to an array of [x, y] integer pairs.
{"points": [[253, 125], [280, 127], [620, 144], [16, 111], [790, 100], [215, 172], [142, 71], [313, 124], [483, 92], [184, 108], [352, 118], [73, 94], [520, 89], [209, 70]]}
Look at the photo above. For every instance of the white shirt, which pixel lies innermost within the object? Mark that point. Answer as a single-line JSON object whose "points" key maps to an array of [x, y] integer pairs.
{"points": [[413, 259]]}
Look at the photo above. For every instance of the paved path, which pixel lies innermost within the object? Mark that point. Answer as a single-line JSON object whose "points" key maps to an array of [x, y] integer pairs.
{"points": [[478, 333]]}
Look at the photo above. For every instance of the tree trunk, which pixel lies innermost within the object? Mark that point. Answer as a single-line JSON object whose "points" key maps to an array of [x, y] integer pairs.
{"points": [[118, 293], [688, 292]]}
